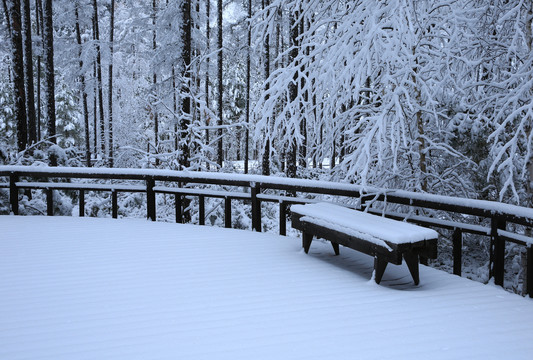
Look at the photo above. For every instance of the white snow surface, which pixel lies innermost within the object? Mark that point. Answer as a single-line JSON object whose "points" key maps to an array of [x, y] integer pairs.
{"points": [[363, 225], [89, 288]]}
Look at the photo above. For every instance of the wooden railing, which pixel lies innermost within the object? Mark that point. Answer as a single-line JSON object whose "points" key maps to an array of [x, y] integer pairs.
{"points": [[501, 223]]}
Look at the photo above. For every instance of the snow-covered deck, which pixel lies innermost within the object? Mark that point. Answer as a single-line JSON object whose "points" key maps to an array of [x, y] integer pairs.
{"points": [[74, 288]]}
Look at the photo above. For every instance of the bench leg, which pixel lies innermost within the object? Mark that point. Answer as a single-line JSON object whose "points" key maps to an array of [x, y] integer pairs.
{"points": [[379, 268], [411, 259], [335, 248], [306, 241]]}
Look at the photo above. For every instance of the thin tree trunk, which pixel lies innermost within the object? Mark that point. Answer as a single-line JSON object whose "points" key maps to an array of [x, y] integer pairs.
{"points": [[110, 86], [293, 92], [303, 124], [99, 78], [266, 47], [48, 42], [248, 74], [175, 108], [186, 104], [529, 164], [207, 66], [95, 110], [421, 139], [83, 90], [154, 82], [18, 74], [220, 154], [28, 73], [39, 25]]}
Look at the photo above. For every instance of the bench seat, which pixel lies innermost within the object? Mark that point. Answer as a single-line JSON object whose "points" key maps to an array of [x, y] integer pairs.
{"points": [[387, 240]]}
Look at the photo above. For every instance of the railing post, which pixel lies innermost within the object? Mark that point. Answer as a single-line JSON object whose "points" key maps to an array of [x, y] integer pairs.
{"points": [[177, 205], [498, 246], [256, 207], [49, 202], [529, 273], [282, 218], [114, 204], [457, 239], [14, 193], [150, 199], [201, 210], [82, 203], [227, 212]]}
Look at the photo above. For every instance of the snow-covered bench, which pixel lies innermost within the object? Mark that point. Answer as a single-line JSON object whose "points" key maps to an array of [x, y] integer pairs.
{"points": [[387, 240]]}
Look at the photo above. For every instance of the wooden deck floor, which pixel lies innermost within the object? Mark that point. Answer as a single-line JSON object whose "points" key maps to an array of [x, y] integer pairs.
{"points": [[75, 288]]}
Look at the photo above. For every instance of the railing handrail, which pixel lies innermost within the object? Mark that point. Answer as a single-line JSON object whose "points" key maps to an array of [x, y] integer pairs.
{"points": [[485, 208]]}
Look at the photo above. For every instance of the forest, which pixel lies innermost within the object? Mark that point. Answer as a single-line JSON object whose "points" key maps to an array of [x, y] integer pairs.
{"points": [[429, 96]]}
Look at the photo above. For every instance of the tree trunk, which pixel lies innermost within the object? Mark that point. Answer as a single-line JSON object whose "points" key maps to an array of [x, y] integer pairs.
{"points": [[303, 124], [110, 86], [99, 78], [39, 25], [49, 78], [28, 73], [293, 92], [18, 74], [83, 90], [186, 101], [248, 71], [95, 110], [422, 163], [154, 81], [220, 154], [207, 66], [266, 47]]}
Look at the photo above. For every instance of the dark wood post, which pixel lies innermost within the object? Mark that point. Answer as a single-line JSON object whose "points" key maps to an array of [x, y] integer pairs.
{"points": [[82, 203], [256, 208], [457, 239], [227, 212], [150, 199], [14, 193], [529, 274], [282, 218], [49, 202], [498, 246], [201, 210], [177, 204], [114, 204]]}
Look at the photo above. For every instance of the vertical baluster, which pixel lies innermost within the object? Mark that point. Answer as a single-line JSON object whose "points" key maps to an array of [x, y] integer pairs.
{"points": [[114, 204], [82, 203], [457, 239], [150, 199], [14, 193], [227, 212], [201, 210], [49, 202], [282, 218], [256, 207], [177, 205], [529, 275], [498, 246]]}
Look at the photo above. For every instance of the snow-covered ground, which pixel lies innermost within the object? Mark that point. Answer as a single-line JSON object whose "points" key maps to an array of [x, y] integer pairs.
{"points": [[89, 288]]}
